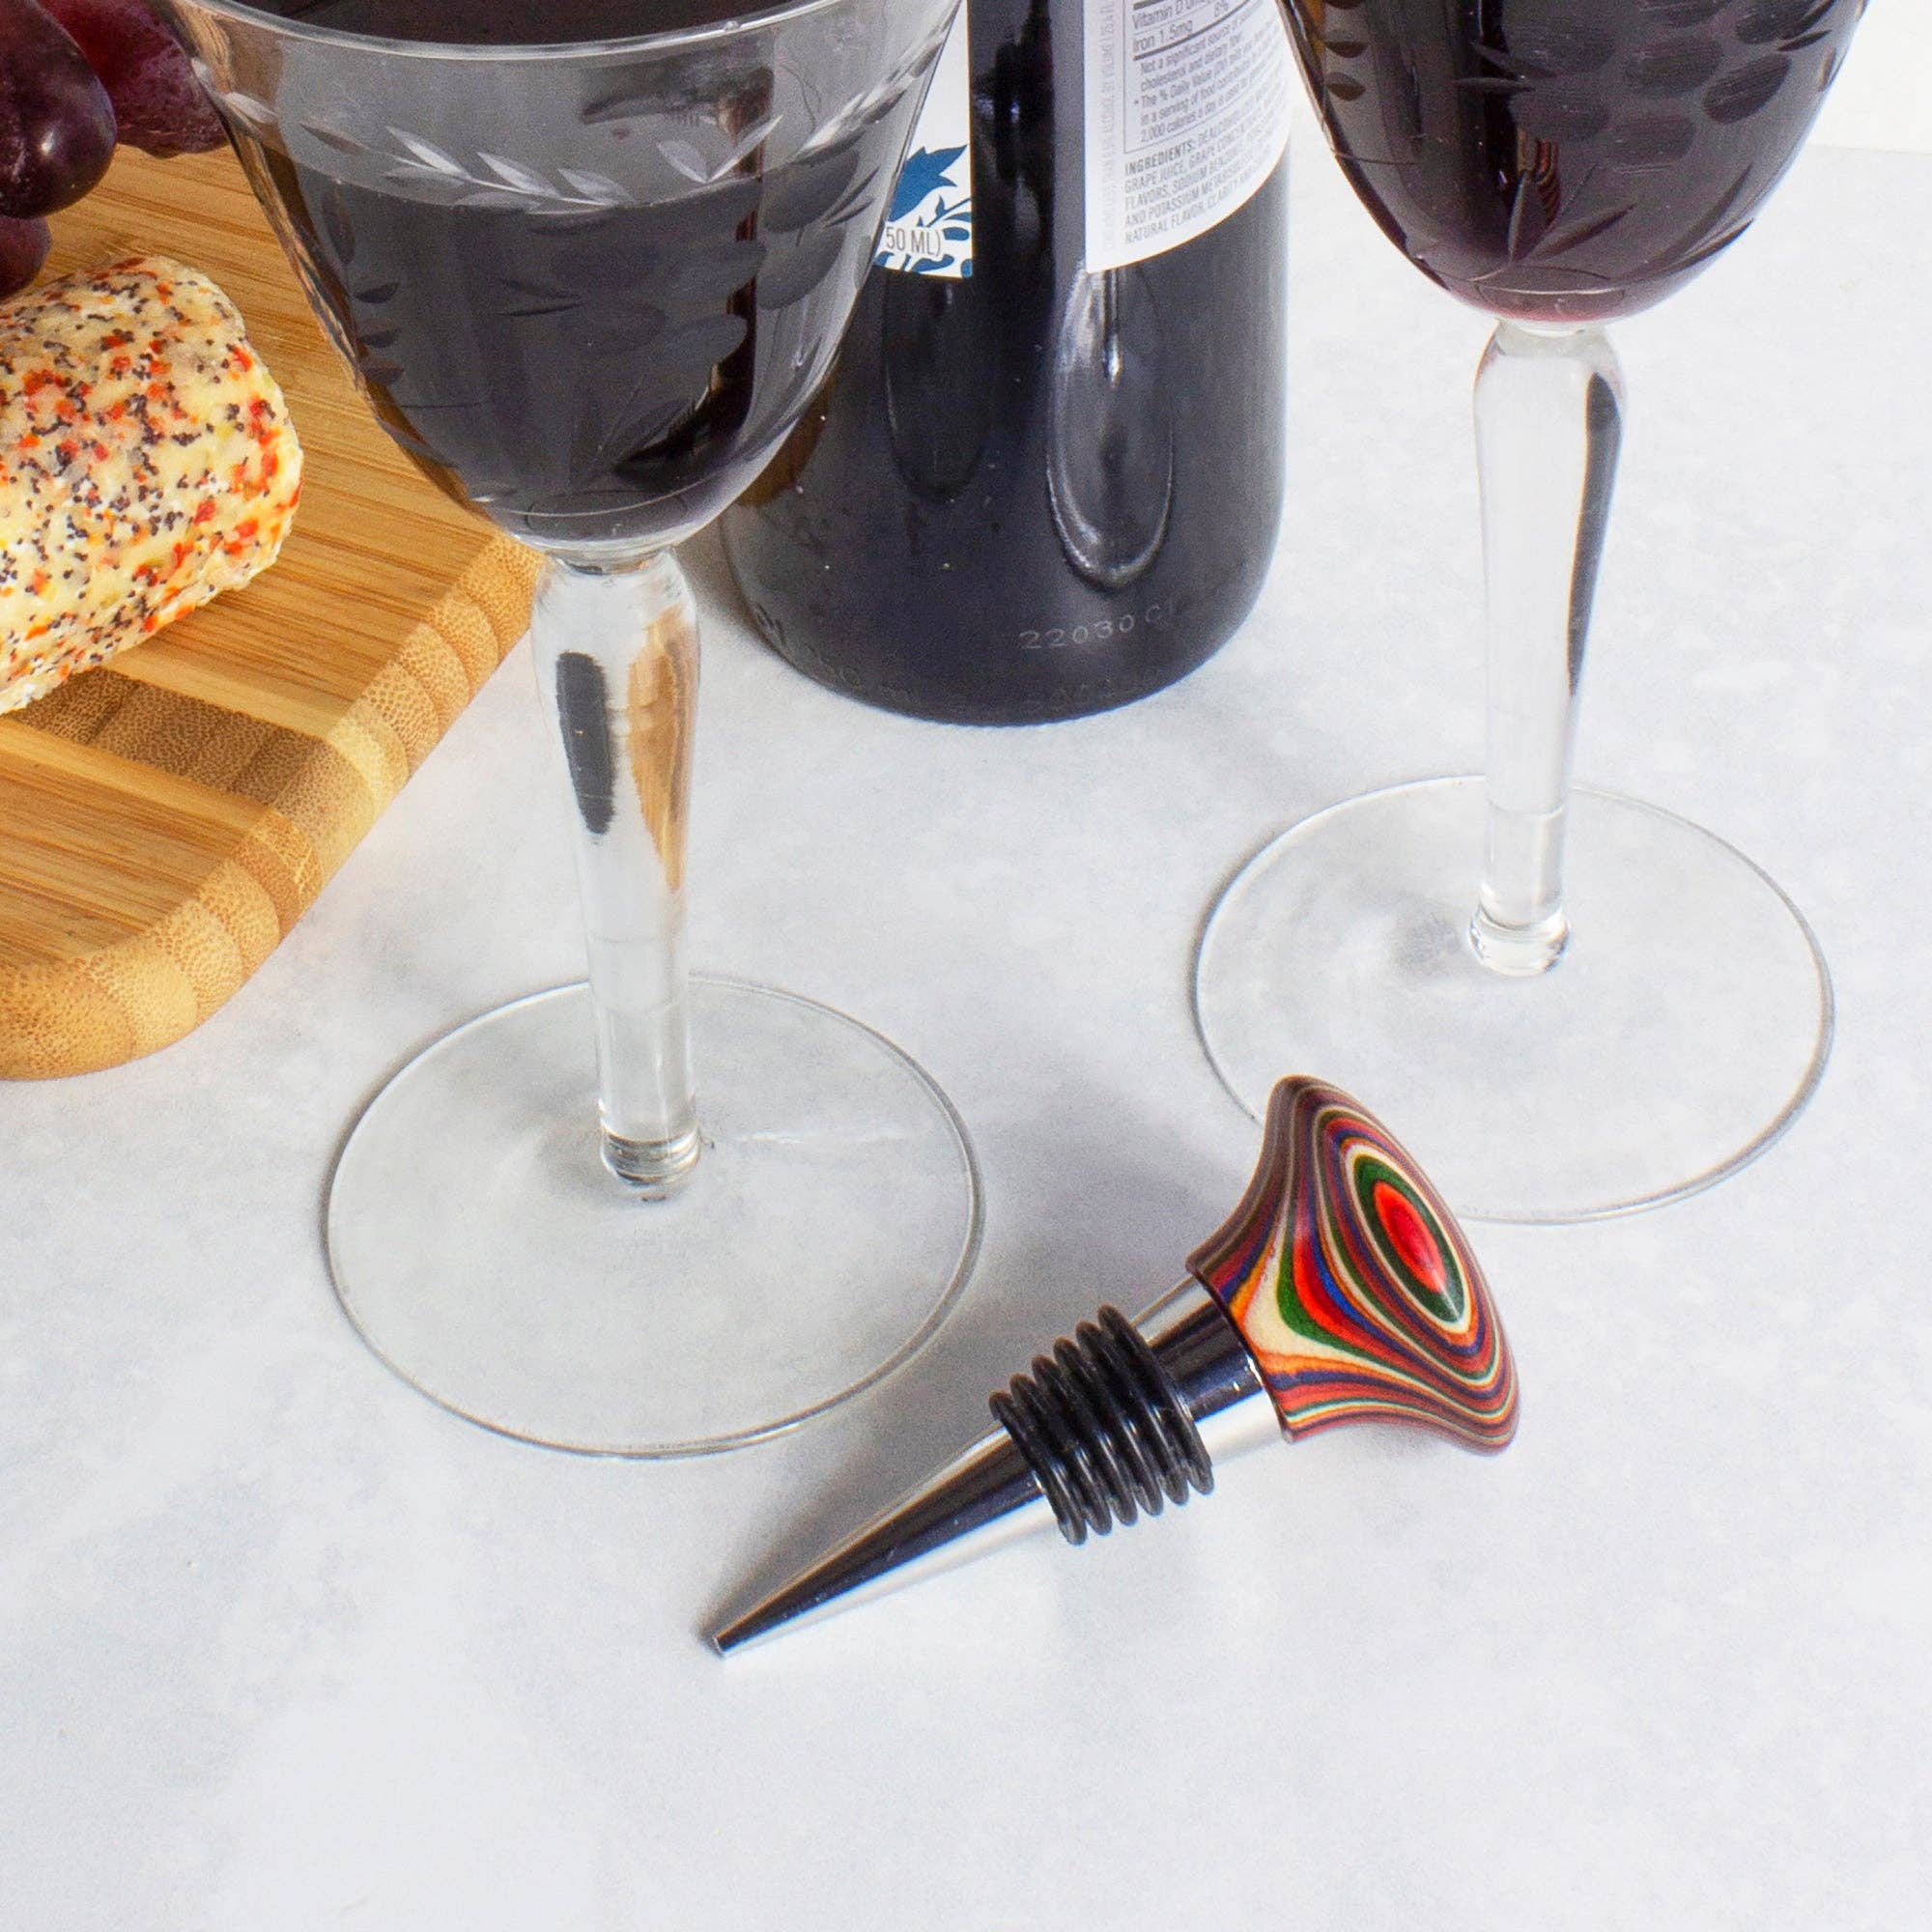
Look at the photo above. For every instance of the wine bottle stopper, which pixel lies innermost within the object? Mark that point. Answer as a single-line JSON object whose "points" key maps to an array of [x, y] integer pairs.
{"points": [[1342, 1290]]}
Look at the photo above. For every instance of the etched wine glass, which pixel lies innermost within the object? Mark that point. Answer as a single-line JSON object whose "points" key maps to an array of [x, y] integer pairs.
{"points": [[588, 277], [1567, 1040]]}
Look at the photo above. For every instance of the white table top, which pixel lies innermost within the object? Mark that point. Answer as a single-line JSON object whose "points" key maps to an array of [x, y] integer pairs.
{"points": [[282, 1646]]}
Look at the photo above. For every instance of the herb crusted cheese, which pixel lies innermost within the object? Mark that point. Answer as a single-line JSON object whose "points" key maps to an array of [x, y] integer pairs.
{"points": [[147, 464]]}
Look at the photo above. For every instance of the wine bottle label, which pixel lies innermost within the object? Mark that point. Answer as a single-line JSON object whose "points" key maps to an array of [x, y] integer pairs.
{"points": [[929, 229], [1187, 106]]}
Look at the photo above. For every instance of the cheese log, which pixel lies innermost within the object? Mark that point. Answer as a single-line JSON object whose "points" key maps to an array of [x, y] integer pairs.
{"points": [[147, 464]]}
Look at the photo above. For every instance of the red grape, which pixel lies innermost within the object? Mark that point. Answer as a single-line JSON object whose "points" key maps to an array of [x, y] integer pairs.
{"points": [[159, 102], [23, 247], [56, 122]]}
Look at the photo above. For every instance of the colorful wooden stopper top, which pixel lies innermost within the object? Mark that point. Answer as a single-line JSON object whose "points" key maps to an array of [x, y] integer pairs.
{"points": [[1351, 1283]]}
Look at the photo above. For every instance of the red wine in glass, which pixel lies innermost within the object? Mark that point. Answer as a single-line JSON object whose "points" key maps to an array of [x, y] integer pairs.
{"points": [[584, 363], [1556, 164], [1567, 160], [589, 261]]}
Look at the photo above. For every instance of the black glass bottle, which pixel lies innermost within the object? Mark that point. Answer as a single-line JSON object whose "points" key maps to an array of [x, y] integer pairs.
{"points": [[1044, 491]]}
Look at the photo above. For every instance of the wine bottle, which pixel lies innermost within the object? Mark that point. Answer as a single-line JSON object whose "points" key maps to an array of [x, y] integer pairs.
{"points": [[1045, 476]]}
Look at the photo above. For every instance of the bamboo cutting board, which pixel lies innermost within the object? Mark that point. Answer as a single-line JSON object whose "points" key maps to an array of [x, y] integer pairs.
{"points": [[166, 819]]}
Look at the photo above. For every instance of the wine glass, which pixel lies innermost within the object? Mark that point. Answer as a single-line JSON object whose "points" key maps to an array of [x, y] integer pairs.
{"points": [[1556, 164], [589, 284]]}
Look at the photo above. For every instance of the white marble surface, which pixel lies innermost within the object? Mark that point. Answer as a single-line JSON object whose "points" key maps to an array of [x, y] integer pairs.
{"points": [[282, 1647], [1884, 98]]}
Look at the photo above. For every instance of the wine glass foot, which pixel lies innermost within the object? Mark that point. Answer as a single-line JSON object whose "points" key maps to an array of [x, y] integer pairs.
{"points": [[483, 1250], [1687, 1023]]}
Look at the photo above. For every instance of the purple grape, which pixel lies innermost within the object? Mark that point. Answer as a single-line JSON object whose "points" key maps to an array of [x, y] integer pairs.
{"points": [[23, 247], [156, 99], [56, 122]]}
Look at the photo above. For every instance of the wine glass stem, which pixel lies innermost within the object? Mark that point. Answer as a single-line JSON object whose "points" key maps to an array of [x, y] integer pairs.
{"points": [[1549, 430], [616, 657]]}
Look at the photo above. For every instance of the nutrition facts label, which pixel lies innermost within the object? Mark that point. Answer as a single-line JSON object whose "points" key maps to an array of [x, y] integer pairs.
{"points": [[1187, 117]]}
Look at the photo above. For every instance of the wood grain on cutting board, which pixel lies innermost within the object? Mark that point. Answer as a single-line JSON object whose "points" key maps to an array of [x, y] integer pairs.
{"points": [[166, 819]]}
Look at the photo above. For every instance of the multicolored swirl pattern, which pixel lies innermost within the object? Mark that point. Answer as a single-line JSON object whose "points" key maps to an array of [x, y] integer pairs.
{"points": [[1353, 1285]]}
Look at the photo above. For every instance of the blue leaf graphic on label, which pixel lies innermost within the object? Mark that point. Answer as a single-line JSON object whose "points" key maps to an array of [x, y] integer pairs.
{"points": [[922, 176], [929, 228]]}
